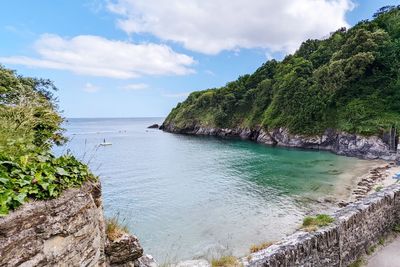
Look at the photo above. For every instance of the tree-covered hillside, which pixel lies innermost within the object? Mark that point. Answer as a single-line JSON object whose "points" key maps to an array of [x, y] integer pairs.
{"points": [[349, 81]]}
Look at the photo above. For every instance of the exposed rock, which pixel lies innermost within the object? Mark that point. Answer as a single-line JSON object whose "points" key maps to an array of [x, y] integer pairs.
{"points": [[341, 143], [154, 126], [145, 261], [67, 230], [123, 250]]}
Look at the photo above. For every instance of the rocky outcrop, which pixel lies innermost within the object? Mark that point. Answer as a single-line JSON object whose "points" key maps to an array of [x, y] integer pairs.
{"points": [[154, 126], [66, 231], [341, 143], [357, 228]]}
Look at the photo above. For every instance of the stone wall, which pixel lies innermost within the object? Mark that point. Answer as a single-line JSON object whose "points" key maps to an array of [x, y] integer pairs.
{"points": [[357, 228]]}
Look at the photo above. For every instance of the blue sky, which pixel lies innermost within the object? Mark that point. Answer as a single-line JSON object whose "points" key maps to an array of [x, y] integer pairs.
{"points": [[139, 58]]}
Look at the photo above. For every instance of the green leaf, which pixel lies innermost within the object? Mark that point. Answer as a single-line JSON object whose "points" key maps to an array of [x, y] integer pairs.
{"points": [[20, 198], [61, 171]]}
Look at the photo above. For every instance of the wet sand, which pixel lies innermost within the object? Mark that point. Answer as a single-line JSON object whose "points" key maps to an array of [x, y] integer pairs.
{"points": [[365, 178]]}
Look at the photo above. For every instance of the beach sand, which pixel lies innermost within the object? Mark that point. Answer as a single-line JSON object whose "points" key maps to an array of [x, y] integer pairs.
{"points": [[365, 178]]}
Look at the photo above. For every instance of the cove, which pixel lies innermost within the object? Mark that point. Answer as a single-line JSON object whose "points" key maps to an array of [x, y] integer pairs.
{"points": [[189, 197]]}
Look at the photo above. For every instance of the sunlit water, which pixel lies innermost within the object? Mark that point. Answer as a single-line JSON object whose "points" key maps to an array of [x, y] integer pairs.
{"points": [[187, 197]]}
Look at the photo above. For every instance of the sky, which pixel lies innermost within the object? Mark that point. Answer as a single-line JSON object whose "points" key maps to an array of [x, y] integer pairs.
{"points": [[139, 58]]}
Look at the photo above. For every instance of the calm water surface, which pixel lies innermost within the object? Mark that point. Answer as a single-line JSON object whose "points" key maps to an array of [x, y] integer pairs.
{"points": [[188, 197]]}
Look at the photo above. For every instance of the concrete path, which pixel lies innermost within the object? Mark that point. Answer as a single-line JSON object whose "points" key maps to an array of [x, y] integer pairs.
{"points": [[388, 256]]}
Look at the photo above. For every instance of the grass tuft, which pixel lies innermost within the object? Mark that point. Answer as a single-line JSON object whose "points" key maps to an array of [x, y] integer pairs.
{"points": [[378, 188], [371, 250], [115, 229], [311, 223], [254, 248], [358, 263], [226, 261], [396, 228]]}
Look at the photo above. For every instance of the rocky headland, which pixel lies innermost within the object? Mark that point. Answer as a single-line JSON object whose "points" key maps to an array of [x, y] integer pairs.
{"points": [[338, 142]]}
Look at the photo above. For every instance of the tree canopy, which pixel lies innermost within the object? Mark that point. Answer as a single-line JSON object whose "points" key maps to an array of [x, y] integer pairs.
{"points": [[349, 81], [30, 125]]}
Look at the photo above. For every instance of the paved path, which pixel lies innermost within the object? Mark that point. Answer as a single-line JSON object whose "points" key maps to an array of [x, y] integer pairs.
{"points": [[388, 256]]}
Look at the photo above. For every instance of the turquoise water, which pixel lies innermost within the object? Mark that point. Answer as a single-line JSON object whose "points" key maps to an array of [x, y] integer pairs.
{"points": [[187, 197]]}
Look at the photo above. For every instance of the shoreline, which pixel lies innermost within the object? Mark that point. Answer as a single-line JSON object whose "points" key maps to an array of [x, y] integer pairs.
{"points": [[368, 177], [334, 141], [377, 178]]}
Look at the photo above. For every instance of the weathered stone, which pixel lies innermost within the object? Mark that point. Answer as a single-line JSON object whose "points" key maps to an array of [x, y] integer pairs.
{"points": [[341, 143], [356, 228], [145, 261], [67, 230], [124, 249]]}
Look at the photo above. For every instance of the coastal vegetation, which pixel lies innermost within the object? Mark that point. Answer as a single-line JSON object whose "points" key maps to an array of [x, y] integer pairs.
{"points": [[255, 248], [312, 223], [115, 229], [30, 125], [226, 261], [358, 263], [349, 81]]}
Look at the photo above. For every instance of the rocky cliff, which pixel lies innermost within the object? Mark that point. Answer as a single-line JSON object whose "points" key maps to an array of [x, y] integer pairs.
{"points": [[66, 231], [340, 143]]}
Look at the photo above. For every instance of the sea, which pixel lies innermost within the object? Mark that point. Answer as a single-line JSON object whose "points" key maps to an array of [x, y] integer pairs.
{"points": [[189, 197]]}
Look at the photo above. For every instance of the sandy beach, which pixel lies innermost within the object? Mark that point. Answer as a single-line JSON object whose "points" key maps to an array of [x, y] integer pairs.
{"points": [[368, 178]]}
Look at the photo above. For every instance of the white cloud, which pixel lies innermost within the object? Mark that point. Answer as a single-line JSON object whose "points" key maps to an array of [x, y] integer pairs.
{"points": [[97, 56], [90, 88], [213, 26], [209, 72], [135, 87]]}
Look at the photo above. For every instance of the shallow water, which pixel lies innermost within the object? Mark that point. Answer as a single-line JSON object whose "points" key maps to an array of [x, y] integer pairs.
{"points": [[188, 197]]}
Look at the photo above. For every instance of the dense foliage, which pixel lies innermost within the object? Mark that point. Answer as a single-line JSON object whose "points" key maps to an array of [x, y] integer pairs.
{"points": [[29, 126], [349, 81], [37, 176]]}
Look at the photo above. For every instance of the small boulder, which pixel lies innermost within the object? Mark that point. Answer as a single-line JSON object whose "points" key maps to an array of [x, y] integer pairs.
{"points": [[145, 261]]}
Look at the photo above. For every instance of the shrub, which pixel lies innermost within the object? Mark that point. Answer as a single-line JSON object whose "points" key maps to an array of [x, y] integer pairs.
{"points": [[29, 126], [38, 176]]}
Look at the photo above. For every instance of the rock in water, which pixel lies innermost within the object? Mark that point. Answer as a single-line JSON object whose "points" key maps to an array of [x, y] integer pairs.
{"points": [[154, 126]]}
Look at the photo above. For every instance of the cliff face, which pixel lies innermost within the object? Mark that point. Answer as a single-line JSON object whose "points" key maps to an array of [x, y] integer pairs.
{"points": [[67, 231], [340, 143]]}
